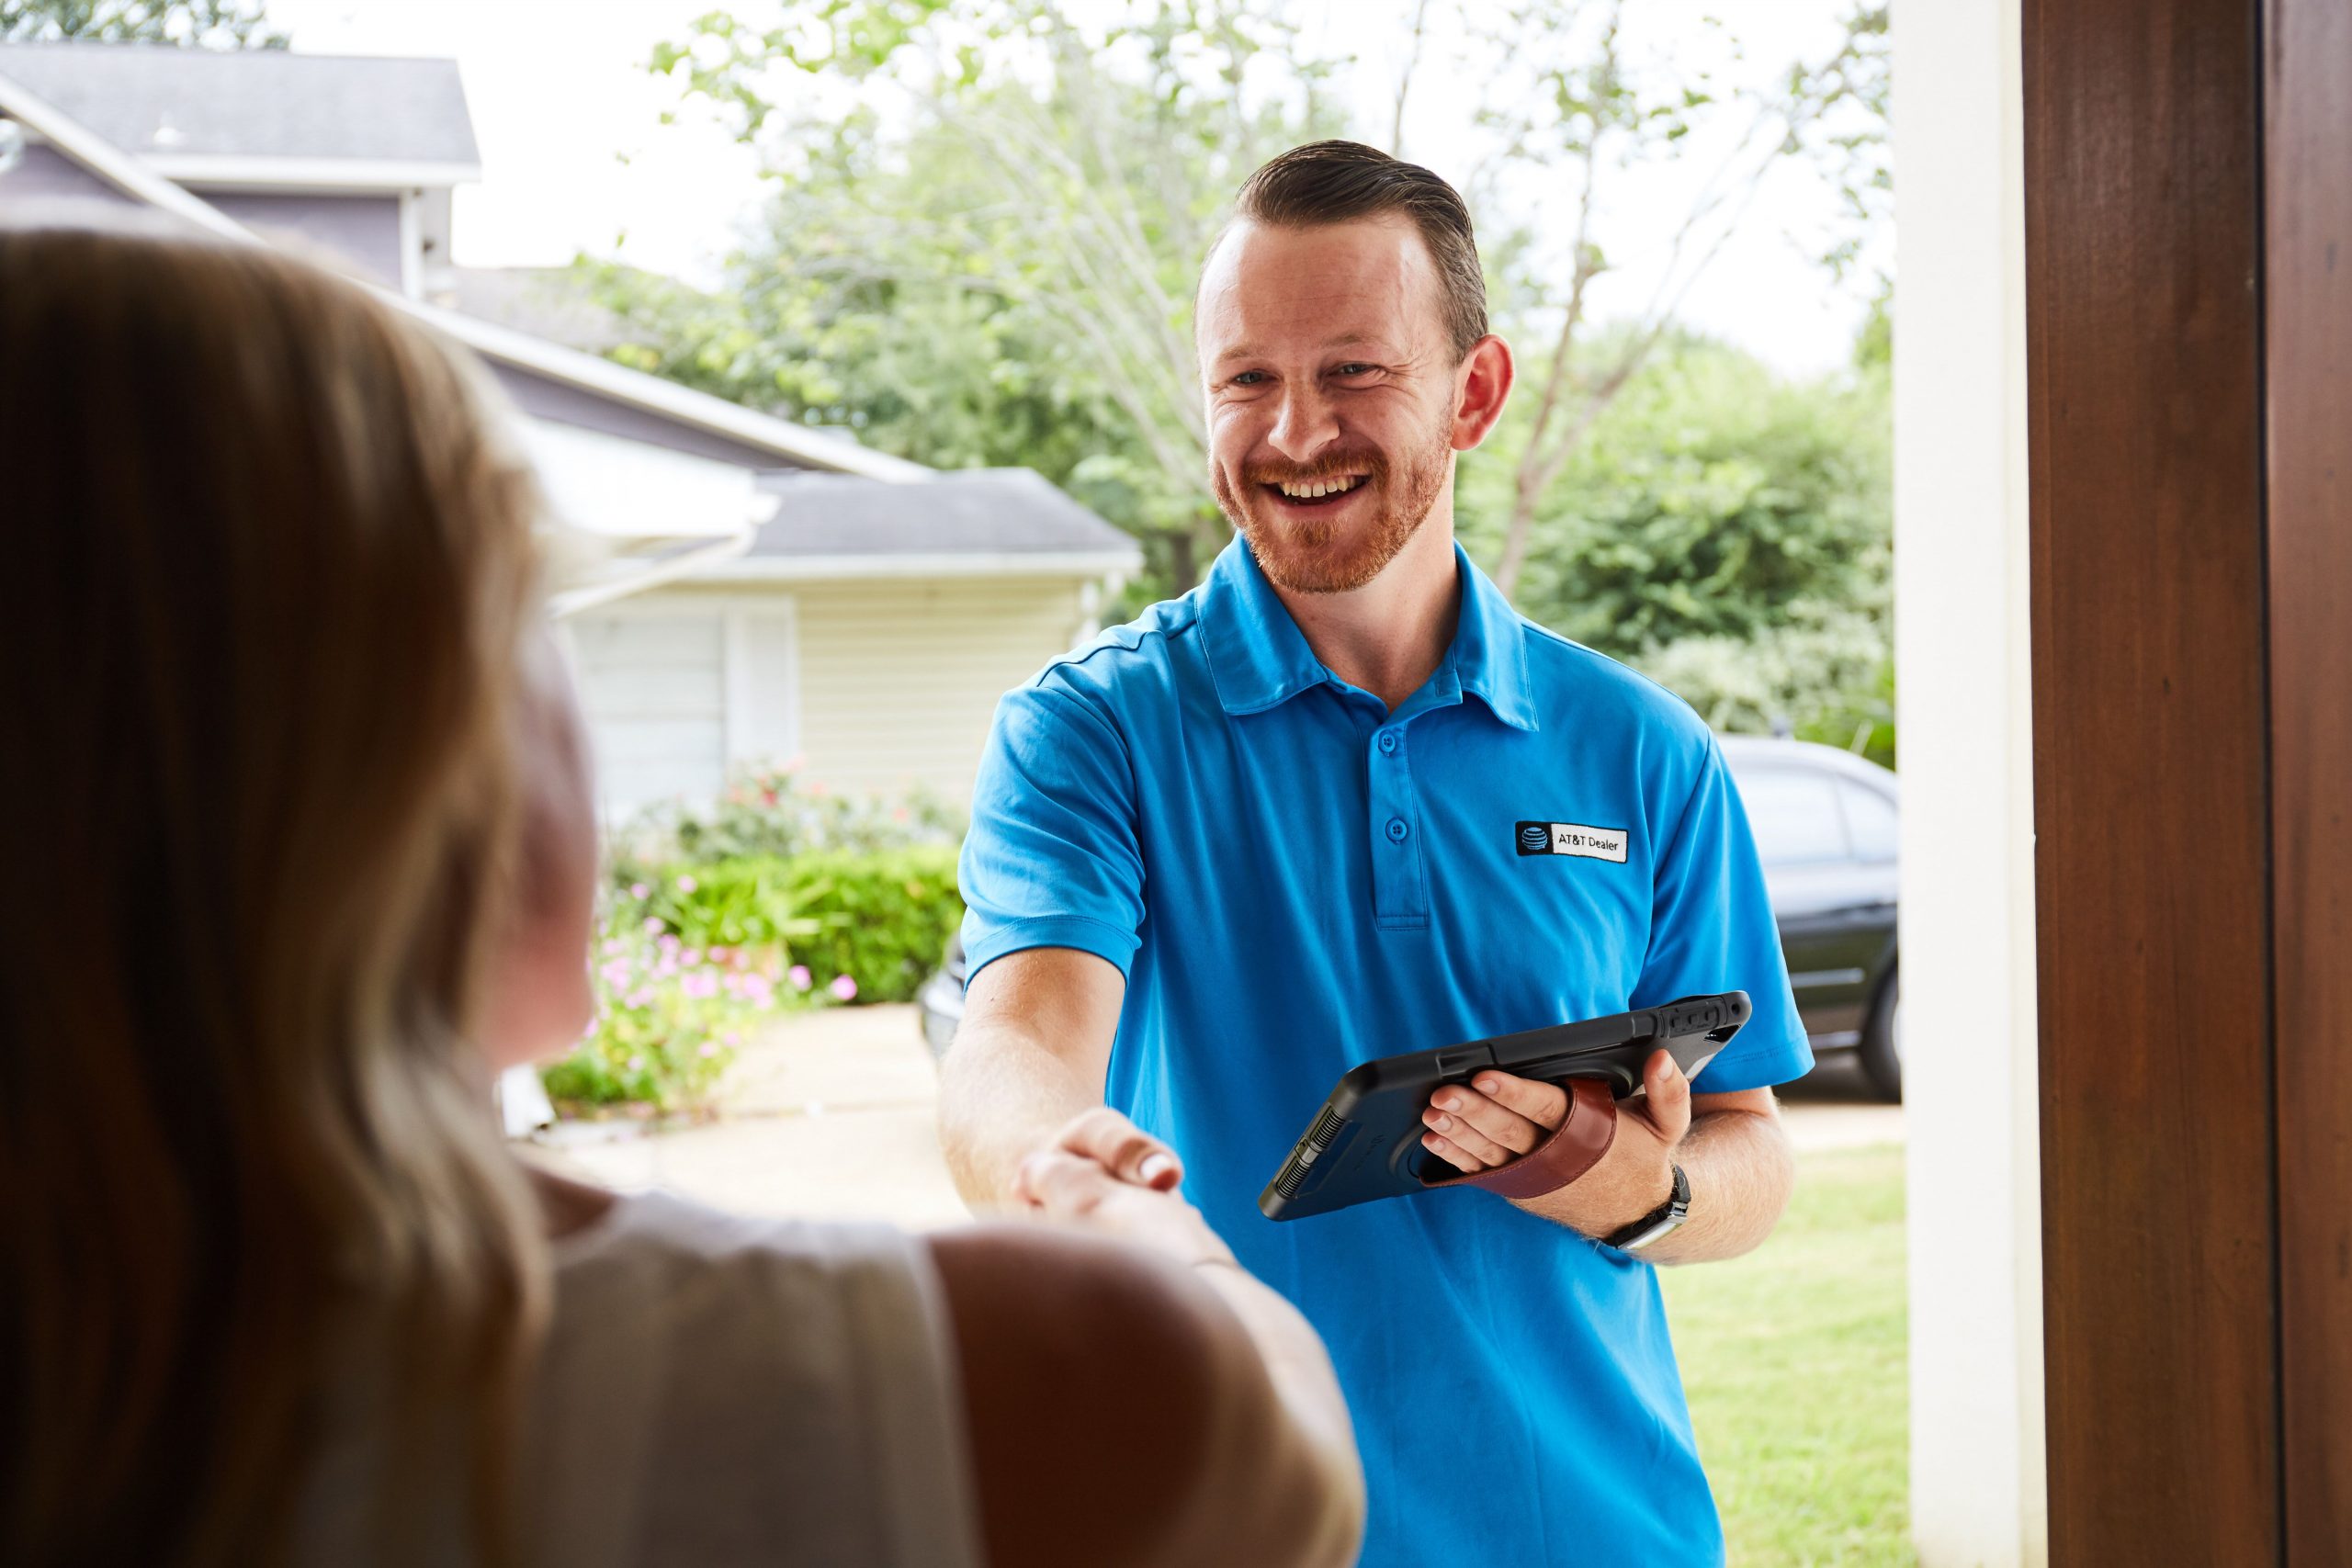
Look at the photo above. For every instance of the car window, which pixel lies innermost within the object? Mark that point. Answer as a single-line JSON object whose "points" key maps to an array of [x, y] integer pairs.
{"points": [[1794, 815], [1870, 822]]}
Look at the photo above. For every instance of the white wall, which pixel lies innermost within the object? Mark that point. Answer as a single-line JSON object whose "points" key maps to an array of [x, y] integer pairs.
{"points": [[875, 686], [901, 677], [679, 688], [1978, 1484]]}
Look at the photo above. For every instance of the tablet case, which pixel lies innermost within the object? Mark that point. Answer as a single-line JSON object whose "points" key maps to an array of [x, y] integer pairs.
{"points": [[1366, 1141]]}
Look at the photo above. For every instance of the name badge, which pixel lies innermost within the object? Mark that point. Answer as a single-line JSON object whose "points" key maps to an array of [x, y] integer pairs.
{"points": [[1573, 838]]}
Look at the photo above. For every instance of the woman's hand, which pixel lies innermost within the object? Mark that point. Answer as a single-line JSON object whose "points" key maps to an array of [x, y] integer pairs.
{"points": [[1103, 1173]]}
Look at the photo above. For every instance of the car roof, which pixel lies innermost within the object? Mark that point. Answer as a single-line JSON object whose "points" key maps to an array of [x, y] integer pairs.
{"points": [[1754, 751]]}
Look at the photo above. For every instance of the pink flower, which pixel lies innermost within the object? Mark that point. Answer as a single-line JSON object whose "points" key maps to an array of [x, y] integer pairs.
{"points": [[720, 955], [685, 884], [638, 889], [639, 998], [732, 1038], [652, 923], [707, 1050], [691, 955], [637, 1063], [843, 987], [616, 971], [668, 942], [699, 986], [799, 977], [614, 945]]}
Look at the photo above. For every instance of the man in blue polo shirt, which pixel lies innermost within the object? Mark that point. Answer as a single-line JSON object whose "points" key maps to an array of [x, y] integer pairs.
{"points": [[1273, 829]]}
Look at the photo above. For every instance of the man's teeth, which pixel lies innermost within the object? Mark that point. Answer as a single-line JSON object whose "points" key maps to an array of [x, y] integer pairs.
{"points": [[1320, 487]]}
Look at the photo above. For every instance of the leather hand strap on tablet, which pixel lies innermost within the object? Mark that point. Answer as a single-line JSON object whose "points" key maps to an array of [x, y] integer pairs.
{"points": [[1561, 1157]]}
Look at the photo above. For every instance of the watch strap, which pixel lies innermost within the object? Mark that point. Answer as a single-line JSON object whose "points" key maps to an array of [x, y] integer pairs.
{"points": [[1566, 1153], [1660, 1220]]}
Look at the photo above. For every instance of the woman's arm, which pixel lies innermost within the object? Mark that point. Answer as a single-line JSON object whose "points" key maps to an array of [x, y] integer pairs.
{"points": [[1140, 1401]]}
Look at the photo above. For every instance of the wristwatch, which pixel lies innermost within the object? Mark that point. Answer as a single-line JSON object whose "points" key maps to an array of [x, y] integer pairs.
{"points": [[1659, 1221]]}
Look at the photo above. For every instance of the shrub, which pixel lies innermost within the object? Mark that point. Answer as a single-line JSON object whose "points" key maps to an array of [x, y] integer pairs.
{"points": [[881, 919], [670, 1014], [769, 813], [743, 903]]}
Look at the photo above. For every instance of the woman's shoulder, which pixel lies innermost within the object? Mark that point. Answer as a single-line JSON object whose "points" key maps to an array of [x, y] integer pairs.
{"points": [[728, 1300], [662, 1233], [757, 1367]]}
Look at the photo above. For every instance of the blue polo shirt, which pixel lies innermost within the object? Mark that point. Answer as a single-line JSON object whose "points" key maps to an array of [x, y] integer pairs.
{"points": [[1295, 879]]}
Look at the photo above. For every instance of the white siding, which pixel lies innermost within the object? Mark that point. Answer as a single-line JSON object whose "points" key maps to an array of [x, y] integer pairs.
{"points": [[652, 679], [899, 680], [875, 687]]}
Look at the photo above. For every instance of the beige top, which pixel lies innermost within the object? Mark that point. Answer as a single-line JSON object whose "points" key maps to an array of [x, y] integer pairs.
{"points": [[720, 1391]]}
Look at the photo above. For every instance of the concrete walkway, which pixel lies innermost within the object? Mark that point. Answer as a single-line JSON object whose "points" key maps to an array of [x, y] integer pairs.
{"points": [[832, 1114], [829, 1113]]}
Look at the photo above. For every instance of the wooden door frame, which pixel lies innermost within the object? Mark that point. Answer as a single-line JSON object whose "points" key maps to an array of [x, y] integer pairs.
{"points": [[2188, 253]]}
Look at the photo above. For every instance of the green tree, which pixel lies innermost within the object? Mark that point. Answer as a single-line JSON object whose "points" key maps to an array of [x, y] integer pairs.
{"points": [[1589, 121], [990, 258], [988, 255], [200, 24], [1722, 528]]}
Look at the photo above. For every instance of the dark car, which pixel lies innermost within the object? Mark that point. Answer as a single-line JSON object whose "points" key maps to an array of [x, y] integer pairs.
{"points": [[1825, 824]]}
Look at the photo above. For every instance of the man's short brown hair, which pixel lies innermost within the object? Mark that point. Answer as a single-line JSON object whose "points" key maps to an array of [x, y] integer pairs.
{"points": [[1336, 182]]}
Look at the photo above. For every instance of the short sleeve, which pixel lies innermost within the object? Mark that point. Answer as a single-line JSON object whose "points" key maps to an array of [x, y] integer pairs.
{"points": [[1052, 858], [1712, 930]]}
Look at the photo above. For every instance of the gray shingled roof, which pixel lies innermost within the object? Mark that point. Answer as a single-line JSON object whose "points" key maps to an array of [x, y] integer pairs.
{"points": [[153, 99], [551, 302], [962, 511]]}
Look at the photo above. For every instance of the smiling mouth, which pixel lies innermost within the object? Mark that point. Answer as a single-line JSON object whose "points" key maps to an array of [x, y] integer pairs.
{"points": [[1317, 492]]}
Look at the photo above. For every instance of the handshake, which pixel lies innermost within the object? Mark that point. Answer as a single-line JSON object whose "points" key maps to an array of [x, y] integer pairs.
{"points": [[1104, 1174]]}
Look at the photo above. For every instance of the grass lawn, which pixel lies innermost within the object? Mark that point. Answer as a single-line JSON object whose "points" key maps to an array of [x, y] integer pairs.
{"points": [[1794, 1357]]}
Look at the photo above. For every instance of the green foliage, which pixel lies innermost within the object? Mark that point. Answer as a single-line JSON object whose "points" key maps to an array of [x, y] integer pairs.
{"points": [[1726, 531], [882, 920], [989, 215], [770, 897], [744, 903], [670, 1015], [987, 258], [764, 813], [202, 24]]}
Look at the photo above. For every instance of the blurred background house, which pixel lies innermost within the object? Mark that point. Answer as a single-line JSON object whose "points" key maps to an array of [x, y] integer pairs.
{"points": [[764, 592]]}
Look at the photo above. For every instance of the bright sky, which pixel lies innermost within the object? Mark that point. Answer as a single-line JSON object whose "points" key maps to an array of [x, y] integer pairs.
{"points": [[574, 155]]}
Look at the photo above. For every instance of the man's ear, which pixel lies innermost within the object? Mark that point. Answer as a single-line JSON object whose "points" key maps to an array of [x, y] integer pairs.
{"points": [[1482, 384]]}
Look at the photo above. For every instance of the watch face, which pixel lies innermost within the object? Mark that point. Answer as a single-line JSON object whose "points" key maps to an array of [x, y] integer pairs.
{"points": [[1670, 1214], [1661, 1228]]}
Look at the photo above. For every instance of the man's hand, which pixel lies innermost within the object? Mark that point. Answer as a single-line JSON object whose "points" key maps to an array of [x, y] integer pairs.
{"points": [[1123, 1149], [1497, 1118], [1107, 1174]]}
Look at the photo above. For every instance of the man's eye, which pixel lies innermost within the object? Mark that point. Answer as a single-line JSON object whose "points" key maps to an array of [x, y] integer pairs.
{"points": [[1248, 378], [1357, 369]]}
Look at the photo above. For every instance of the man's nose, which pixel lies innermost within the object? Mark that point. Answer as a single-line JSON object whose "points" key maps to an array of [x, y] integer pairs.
{"points": [[1303, 425]]}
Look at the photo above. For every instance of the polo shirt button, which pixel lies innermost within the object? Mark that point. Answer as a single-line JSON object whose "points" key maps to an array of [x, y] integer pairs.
{"points": [[1396, 829], [1388, 740]]}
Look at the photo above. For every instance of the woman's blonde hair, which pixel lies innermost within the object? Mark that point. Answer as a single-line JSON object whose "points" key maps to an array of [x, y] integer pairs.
{"points": [[269, 566]]}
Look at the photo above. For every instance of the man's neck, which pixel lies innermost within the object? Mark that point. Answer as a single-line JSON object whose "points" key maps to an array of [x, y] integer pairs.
{"points": [[1389, 636]]}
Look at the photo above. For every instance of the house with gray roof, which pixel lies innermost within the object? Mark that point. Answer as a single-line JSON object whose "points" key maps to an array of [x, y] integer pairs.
{"points": [[743, 589]]}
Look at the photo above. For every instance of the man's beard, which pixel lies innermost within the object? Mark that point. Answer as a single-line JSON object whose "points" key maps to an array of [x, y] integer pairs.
{"points": [[1307, 555]]}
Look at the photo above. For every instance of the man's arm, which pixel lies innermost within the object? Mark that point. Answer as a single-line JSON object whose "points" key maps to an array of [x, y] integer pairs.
{"points": [[1730, 1147], [1029, 1056]]}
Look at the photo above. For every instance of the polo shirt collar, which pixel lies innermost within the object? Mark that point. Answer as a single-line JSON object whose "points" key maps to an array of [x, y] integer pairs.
{"points": [[1260, 659]]}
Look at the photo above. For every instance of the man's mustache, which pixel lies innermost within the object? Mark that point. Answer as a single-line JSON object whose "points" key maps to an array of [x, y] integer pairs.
{"points": [[1370, 464]]}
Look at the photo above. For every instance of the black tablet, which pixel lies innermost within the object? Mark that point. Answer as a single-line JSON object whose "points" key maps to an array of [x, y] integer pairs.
{"points": [[1366, 1141]]}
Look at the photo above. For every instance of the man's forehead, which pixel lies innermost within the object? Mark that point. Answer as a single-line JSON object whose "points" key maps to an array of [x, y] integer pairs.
{"points": [[1358, 284]]}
